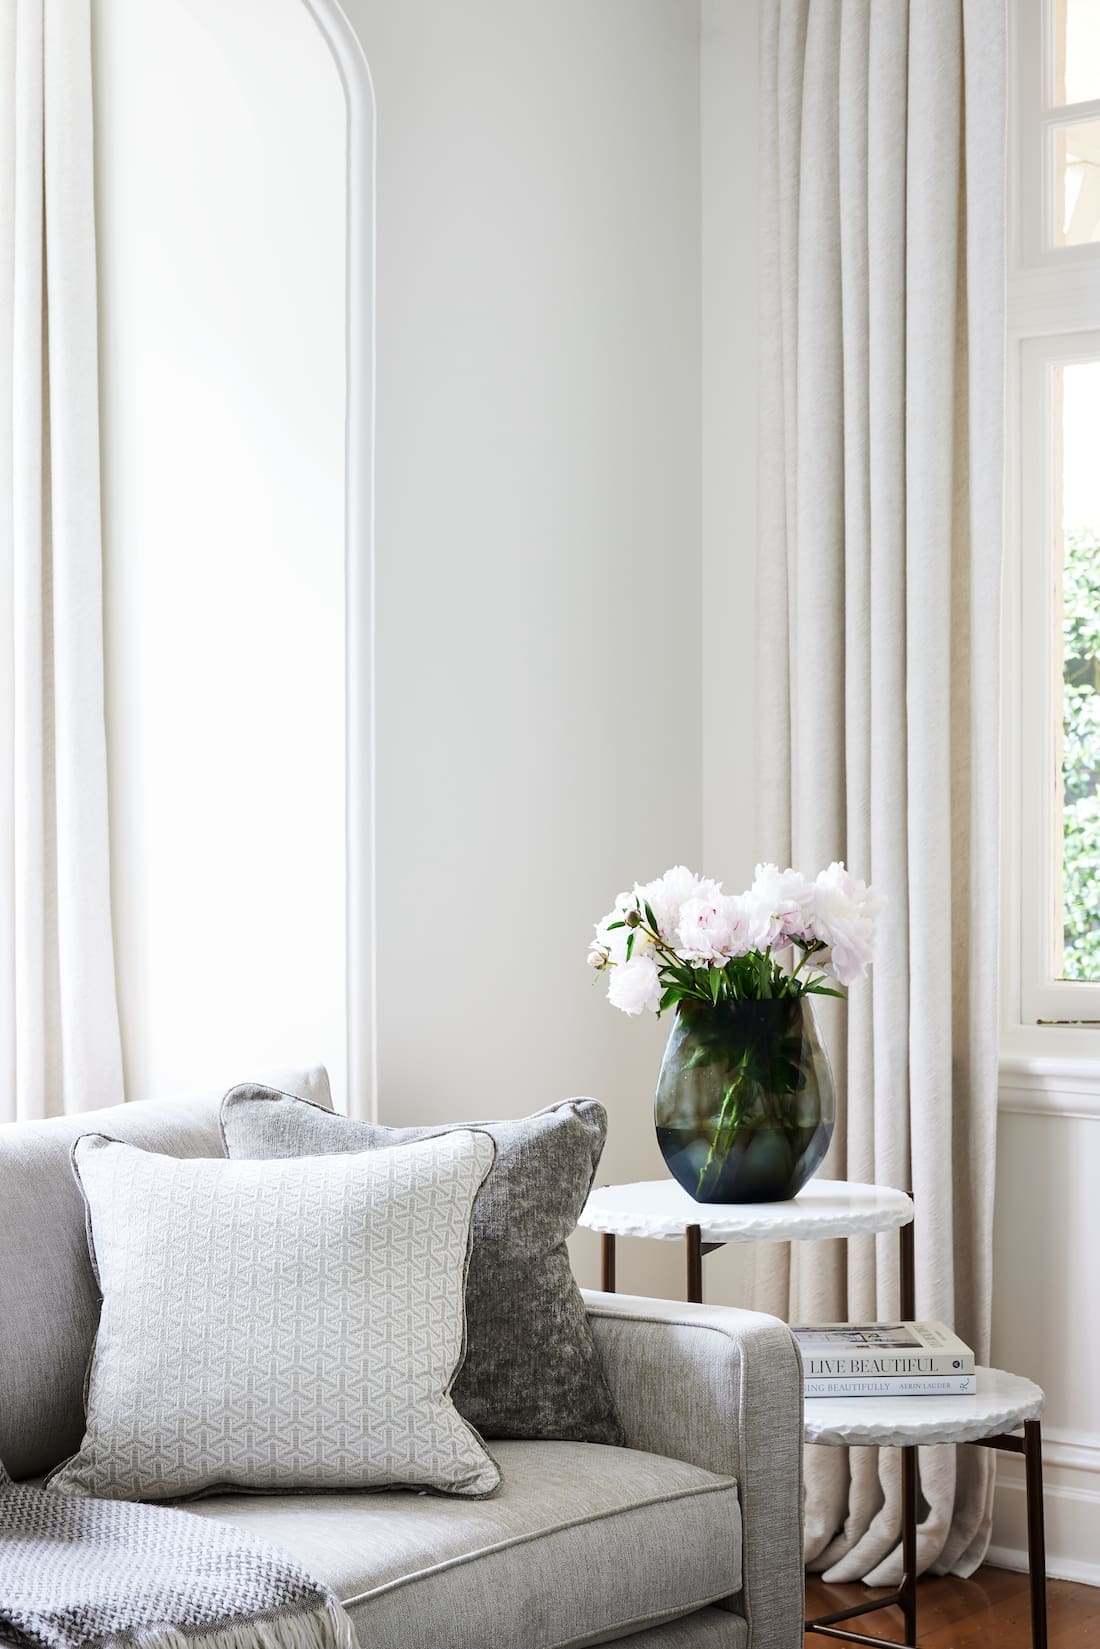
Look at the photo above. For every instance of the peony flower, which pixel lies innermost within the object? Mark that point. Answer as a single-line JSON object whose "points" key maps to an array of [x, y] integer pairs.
{"points": [[635, 987], [783, 903], [843, 920], [670, 892], [714, 929]]}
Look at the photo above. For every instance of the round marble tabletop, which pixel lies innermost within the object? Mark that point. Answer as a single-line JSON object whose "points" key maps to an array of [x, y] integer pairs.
{"points": [[1001, 1403], [823, 1208]]}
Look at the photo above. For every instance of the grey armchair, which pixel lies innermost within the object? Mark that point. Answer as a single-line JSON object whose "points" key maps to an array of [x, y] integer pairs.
{"points": [[688, 1538]]}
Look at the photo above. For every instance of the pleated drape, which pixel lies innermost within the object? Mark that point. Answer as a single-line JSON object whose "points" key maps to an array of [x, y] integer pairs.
{"points": [[59, 1033], [881, 523]]}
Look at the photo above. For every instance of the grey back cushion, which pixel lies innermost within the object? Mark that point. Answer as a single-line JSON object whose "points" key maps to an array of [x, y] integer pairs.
{"points": [[49, 1300], [531, 1369]]}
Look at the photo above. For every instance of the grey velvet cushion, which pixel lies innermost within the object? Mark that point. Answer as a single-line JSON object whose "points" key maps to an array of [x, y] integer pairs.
{"points": [[581, 1545], [278, 1325], [531, 1369]]}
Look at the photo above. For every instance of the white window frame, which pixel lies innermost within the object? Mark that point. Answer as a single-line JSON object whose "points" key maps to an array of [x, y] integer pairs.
{"points": [[1037, 118], [1053, 317]]}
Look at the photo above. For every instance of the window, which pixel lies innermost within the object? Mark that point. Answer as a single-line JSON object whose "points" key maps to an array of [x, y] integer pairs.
{"points": [[1053, 517], [1058, 118]]}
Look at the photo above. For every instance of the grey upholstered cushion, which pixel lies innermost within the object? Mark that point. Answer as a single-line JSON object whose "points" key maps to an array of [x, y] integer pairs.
{"points": [[49, 1303], [279, 1325], [582, 1544], [531, 1367]]}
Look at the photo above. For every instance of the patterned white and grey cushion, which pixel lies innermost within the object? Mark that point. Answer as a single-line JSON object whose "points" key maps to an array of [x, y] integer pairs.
{"points": [[278, 1325]]}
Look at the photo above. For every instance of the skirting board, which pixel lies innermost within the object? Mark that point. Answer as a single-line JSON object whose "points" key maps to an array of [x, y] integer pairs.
{"points": [[1071, 1505]]}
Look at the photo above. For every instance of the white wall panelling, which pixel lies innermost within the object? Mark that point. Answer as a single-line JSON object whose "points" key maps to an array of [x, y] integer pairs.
{"points": [[1045, 1086], [1045, 1319], [1071, 1501]]}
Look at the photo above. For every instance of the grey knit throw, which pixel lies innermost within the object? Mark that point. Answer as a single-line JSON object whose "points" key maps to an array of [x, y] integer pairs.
{"points": [[91, 1574]]}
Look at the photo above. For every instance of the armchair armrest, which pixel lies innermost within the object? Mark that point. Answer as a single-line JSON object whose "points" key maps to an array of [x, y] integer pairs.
{"points": [[722, 1389]]}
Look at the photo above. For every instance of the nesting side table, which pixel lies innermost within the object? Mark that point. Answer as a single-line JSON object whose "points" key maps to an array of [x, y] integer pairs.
{"points": [[663, 1210], [823, 1208]]}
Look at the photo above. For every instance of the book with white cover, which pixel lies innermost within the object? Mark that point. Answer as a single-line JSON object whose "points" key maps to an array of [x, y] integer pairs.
{"points": [[880, 1350], [920, 1385]]}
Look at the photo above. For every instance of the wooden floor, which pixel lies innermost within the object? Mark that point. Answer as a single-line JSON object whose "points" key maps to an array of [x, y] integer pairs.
{"points": [[989, 1611]]}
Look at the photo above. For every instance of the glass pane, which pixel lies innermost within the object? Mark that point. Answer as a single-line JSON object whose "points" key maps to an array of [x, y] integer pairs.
{"points": [[1076, 51], [1077, 404], [1077, 158]]}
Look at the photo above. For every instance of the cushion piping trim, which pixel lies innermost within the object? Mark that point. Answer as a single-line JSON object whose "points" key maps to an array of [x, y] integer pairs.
{"points": [[722, 1486], [641, 1623]]}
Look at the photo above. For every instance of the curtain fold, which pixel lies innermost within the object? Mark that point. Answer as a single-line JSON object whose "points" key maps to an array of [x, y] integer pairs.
{"points": [[59, 1032], [882, 392]]}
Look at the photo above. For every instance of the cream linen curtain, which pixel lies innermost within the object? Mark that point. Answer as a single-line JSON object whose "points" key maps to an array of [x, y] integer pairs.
{"points": [[881, 540], [59, 1037]]}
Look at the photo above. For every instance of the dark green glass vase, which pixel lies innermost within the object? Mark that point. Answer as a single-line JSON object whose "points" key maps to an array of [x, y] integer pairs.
{"points": [[745, 1100]]}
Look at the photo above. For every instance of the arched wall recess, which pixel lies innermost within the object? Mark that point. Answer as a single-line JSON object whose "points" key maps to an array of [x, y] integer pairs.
{"points": [[354, 71]]}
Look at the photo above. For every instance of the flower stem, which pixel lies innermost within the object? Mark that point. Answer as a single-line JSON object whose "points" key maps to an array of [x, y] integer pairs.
{"points": [[726, 1119], [810, 950]]}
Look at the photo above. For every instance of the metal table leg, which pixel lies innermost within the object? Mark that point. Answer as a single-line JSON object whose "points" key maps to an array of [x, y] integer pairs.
{"points": [[1030, 1445], [910, 1475], [607, 1261], [905, 1598], [693, 1236], [1036, 1537]]}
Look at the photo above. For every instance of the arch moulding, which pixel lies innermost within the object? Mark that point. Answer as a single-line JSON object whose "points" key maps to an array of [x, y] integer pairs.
{"points": [[360, 857]]}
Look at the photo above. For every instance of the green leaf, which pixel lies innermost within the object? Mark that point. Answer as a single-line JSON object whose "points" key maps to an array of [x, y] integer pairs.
{"points": [[629, 944], [650, 918], [611, 926]]}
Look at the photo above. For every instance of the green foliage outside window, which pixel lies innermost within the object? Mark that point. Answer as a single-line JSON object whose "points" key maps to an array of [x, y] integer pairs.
{"points": [[1081, 758]]}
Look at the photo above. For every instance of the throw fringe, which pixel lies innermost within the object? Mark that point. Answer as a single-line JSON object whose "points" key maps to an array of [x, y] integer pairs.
{"points": [[328, 1626]]}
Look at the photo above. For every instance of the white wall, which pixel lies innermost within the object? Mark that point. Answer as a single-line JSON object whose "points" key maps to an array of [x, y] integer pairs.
{"points": [[730, 364], [1046, 1309], [538, 582], [729, 106], [220, 132]]}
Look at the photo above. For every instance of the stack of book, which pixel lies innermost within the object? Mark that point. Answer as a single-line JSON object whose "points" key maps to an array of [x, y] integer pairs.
{"points": [[884, 1360]]}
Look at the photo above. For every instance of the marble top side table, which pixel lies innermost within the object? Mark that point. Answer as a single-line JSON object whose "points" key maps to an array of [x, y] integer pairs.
{"points": [[823, 1208], [663, 1210], [1001, 1405]]}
